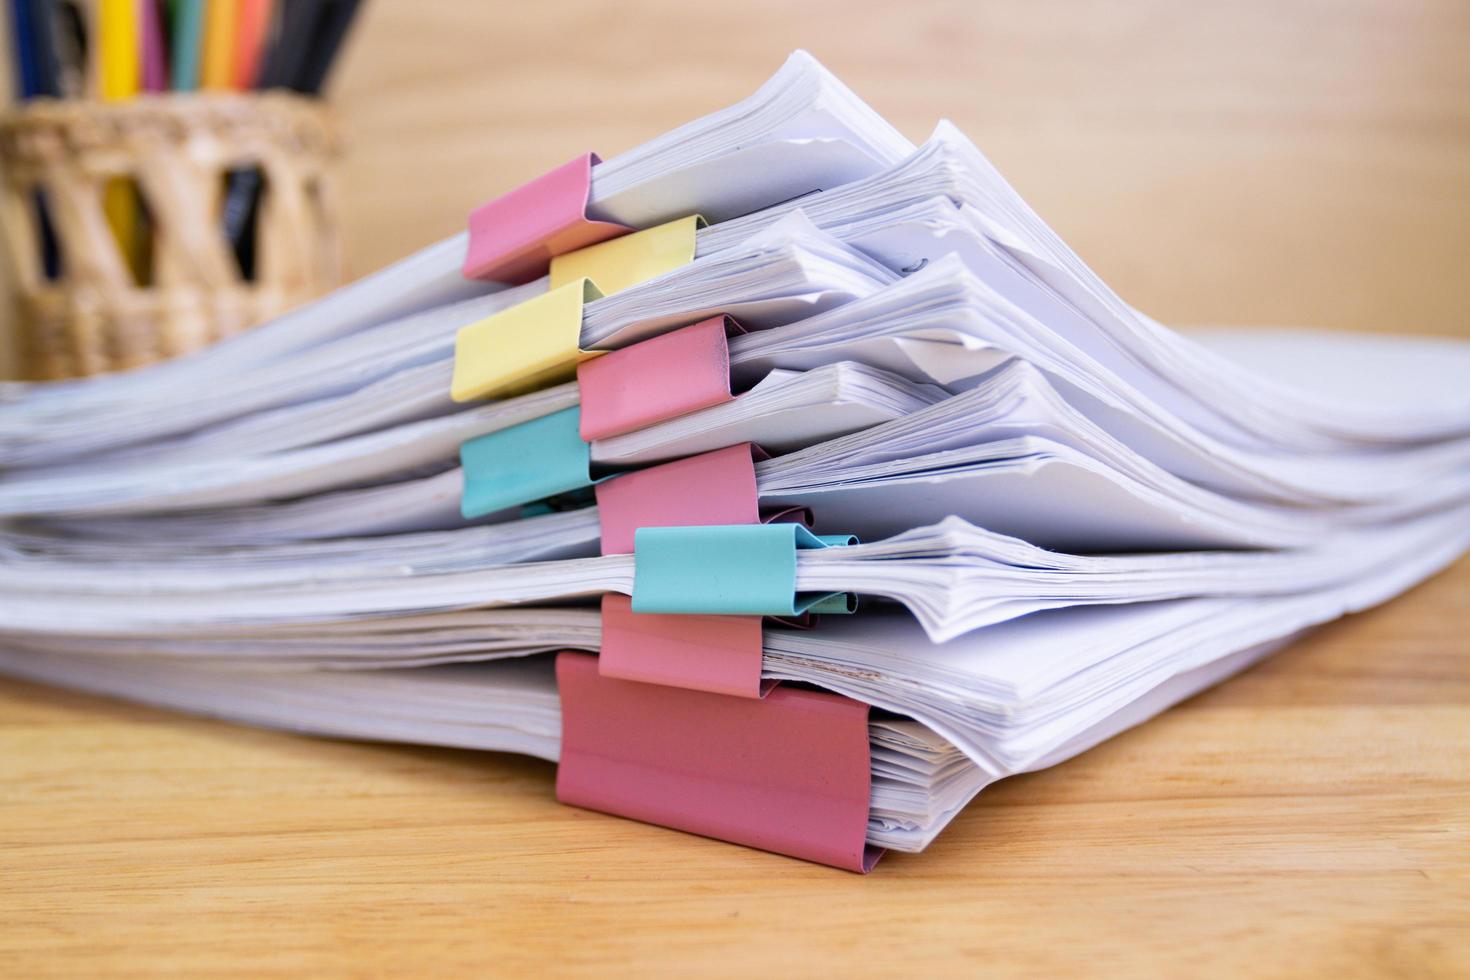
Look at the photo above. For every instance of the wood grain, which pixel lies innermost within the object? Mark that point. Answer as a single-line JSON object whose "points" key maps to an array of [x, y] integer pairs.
{"points": [[1254, 162]]}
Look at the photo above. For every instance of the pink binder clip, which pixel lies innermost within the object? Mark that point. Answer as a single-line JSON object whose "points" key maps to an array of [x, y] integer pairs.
{"points": [[661, 378], [513, 237], [717, 487], [790, 773], [718, 654]]}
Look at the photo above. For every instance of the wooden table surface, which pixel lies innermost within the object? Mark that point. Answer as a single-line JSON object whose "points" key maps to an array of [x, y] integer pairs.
{"points": [[1254, 162]]}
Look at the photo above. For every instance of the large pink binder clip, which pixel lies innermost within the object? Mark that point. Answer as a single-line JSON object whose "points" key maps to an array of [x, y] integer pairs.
{"points": [[790, 773], [660, 378], [513, 237]]}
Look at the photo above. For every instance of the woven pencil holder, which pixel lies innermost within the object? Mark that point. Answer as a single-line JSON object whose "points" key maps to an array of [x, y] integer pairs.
{"points": [[96, 315]]}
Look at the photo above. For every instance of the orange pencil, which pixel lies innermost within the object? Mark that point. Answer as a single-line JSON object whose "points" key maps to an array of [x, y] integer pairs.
{"points": [[251, 27], [219, 45]]}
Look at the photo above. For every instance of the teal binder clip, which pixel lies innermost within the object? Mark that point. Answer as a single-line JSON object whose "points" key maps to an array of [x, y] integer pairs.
{"points": [[737, 570], [524, 463]]}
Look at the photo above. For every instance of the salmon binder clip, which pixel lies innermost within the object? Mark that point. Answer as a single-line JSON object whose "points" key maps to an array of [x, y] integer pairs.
{"points": [[717, 487], [735, 570], [515, 236], [790, 773], [716, 654], [660, 378], [720, 654]]}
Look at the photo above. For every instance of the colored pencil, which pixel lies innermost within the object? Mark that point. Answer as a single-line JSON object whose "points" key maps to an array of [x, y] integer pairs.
{"points": [[220, 17], [120, 72], [250, 36], [188, 35]]}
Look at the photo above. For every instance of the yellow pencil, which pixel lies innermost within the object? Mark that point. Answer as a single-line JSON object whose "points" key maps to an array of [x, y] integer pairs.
{"points": [[220, 19], [120, 71]]}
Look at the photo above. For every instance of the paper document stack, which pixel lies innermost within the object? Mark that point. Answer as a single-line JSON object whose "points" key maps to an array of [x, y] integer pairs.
{"points": [[786, 482]]}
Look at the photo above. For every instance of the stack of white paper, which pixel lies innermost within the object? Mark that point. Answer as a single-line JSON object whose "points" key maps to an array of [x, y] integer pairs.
{"points": [[1071, 517]]}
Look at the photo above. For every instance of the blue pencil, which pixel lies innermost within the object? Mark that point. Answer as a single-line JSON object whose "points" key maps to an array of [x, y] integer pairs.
{"points": [[23, 34]]}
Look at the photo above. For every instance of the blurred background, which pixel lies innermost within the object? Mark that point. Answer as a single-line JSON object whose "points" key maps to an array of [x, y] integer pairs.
{"points": [[1257, 162]]}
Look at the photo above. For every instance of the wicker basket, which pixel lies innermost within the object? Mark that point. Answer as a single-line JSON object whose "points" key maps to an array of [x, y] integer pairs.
{"points": [[95, 316]]}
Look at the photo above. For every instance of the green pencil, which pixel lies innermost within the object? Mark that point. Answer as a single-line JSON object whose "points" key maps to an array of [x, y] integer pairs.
{"points": [[188, 27]]}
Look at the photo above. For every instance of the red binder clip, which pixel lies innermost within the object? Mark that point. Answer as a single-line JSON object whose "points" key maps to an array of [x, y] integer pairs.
{"points": [[790, 773], [513, 237]]}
